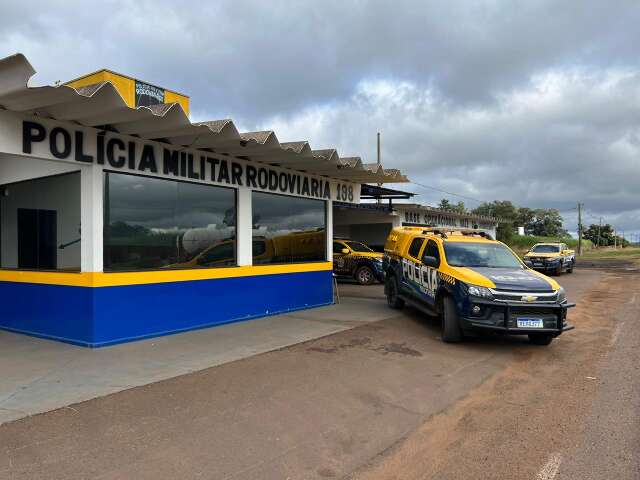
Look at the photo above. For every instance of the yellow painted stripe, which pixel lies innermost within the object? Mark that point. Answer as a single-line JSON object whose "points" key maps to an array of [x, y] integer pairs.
{"points": [[99, 279]]}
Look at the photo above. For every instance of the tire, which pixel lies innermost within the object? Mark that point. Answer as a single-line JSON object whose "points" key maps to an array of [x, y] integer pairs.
{"points": [[540, 339], [364, 275], [392, 290], [570, 269], [451, 332], [558, 270]]}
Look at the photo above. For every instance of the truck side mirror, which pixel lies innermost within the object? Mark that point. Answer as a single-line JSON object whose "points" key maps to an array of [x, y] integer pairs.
{"points": [[345, 251], [428, 261]]}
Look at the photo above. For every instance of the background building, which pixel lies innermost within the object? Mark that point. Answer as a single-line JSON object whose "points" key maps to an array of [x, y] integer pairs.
{"points": [[372, 222]]}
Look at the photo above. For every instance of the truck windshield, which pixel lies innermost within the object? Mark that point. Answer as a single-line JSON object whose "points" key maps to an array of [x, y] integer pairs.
{"points": [[546, 249], [358, 247], [468, 254]]}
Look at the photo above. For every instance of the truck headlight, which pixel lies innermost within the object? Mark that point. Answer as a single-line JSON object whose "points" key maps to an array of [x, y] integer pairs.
{"points": [[478, 291], [561, 295]]}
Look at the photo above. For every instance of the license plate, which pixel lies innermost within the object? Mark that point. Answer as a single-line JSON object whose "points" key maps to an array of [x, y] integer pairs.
{"points": [[530, 322], [537, 264]]}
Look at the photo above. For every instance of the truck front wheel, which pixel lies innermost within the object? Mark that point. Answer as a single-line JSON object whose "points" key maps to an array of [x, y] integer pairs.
{"points": [[558, 270], [451, 332], [364, 275]]}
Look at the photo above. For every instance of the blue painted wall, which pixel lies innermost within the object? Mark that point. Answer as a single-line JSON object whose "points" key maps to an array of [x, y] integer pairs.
{"points": [[108, 315], [50, 311]]}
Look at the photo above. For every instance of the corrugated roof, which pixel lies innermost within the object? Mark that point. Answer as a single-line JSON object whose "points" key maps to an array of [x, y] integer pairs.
{"points": [[101, 105]]}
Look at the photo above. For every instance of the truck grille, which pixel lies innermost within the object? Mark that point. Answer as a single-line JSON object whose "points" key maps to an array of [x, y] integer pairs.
{"points": [[532, 311], [517, 297]]}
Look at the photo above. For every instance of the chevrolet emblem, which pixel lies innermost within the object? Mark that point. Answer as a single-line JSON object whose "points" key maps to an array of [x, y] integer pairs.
{"points": [[529, 298]]}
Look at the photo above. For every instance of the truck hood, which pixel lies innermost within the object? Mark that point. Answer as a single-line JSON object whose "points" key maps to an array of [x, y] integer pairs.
{"points": [[543, 255], [368, 254], [515, 279]]}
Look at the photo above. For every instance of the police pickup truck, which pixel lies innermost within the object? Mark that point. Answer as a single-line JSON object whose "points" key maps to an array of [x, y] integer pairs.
{"points": [[551, 257], [356, 260], [473, 283]]}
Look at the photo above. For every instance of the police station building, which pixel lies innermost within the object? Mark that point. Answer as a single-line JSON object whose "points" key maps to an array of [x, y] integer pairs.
{"points": [[120, 219]]}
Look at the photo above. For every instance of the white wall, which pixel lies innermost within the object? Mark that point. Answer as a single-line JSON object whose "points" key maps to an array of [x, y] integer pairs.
{"points": [[15, 168], [60, 193]]}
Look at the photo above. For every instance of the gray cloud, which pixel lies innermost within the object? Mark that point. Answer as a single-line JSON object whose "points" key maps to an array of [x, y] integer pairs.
{"points": [[537, 103]]}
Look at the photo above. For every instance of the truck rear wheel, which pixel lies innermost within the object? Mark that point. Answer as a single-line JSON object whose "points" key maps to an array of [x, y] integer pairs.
{"points": [[392, 290], [451, 332]]}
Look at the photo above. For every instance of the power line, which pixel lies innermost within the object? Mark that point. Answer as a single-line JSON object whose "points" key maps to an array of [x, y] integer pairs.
{"points": [[448, 193]]}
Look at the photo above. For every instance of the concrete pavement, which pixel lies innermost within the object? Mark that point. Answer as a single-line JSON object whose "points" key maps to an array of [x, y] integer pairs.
{"points": [[39, 375]]}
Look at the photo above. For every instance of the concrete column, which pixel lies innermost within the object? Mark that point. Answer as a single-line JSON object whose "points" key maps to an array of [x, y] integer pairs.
{"points": [[91, 218], [329, 218], [244, 227]]}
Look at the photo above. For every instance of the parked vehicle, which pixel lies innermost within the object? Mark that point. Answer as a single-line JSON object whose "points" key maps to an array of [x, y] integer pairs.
{"points": [[551, 257], [474, 283], [356, 260]]}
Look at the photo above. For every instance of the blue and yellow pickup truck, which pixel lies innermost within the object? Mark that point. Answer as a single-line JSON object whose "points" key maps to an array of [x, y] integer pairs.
{"points": [[473, 283], [352, 259], [551, 257]]}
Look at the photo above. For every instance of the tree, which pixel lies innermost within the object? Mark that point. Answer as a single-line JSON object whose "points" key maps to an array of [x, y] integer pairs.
{"points": [[547, 223], [447, 206], [460, 208], [505, 212], [603, 236], [525, 218]]}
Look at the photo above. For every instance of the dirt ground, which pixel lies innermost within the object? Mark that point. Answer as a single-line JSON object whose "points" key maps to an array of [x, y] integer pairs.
{"points": [[535, 417], [386, 400]]}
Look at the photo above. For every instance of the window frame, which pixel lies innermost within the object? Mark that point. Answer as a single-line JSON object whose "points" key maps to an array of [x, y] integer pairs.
{"points": [[424, 242], [27, 180], [325, 204], [426, 245], [196, 267]]}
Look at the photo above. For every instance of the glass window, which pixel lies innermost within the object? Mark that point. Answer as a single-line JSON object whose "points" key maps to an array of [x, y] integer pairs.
{"points": [[292, 228], [40, 224], [431, 250], [338, 247], [358, 247], [492, 255], [545, 249], [153, 223], [414, 248]]}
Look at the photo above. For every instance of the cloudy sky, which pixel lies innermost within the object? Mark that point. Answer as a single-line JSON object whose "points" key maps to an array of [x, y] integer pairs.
{"points": [[537, 103]]}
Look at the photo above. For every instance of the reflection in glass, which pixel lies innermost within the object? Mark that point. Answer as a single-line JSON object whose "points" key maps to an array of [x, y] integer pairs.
{"points": [[288, 229], [153, 223]]}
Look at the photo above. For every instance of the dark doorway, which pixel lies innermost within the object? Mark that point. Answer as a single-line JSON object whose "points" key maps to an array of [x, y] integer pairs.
{"points": [[37, 238]]}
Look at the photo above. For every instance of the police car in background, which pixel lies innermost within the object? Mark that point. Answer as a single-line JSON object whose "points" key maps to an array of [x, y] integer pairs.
{"points": [[551, 257], [356, 260], [474, 283]]}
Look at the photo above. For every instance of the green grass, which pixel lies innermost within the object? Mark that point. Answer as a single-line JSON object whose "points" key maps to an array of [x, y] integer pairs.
{"points": [[609, 252], [522, 244]]}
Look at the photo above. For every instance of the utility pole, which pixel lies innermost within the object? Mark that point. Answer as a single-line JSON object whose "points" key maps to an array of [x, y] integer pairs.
{"points": [[379, 162], [599, 227], [579, 229]]}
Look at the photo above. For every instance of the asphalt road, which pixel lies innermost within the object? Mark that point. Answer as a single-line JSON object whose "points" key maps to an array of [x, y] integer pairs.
{"points": [[386, 400]]}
